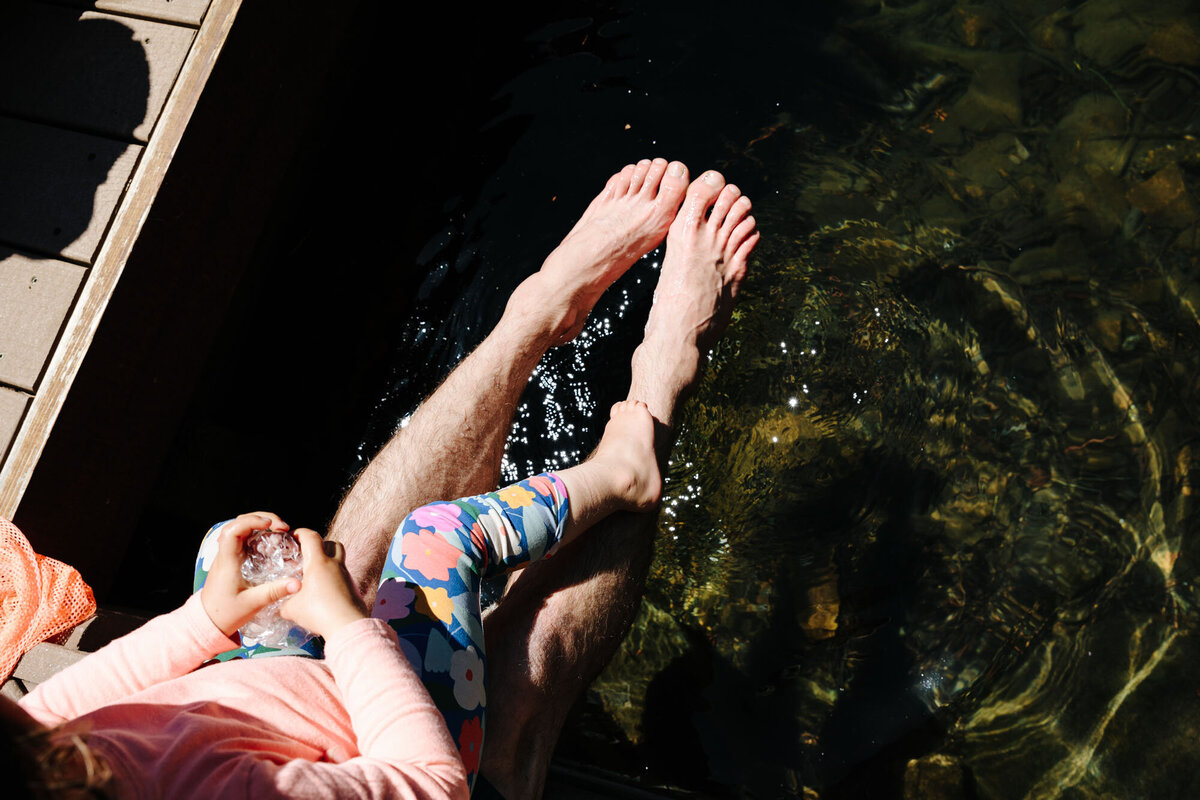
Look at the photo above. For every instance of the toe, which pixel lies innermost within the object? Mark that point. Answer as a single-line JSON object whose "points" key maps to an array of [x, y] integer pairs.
{"points": [[639, 174], [619, 184], [738, 238], [725, 201], [700, 196], [737, 213], [654, 175], [736, 270], [673, 185]]}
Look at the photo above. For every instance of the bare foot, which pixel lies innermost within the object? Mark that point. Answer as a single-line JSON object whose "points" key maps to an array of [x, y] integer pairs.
{"points": [[707, 247], [625, 221], [626, 453]]}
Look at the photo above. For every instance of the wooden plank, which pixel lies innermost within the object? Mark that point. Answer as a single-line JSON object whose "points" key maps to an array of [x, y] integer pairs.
{"points": [[43, 661], [276, 79], [93, 72], [59, 187], [182, 12], [35, 297], [14, 689], [12, 408], [81, 327]]}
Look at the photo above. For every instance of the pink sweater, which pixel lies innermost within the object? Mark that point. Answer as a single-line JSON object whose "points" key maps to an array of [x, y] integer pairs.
{"points": [[358, 724]]}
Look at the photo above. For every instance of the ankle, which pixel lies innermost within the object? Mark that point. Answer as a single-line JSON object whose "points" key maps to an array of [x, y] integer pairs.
{"points": [[528, 317], [663, 382], [612, 481], [538, 306]]}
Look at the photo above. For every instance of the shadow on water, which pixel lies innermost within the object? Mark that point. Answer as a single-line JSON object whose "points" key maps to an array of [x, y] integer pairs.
{"points": [[709, 724]]}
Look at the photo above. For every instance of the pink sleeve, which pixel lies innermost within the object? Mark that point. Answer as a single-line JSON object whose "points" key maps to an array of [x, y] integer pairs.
{"points": [[404, 747], [166, 647]]}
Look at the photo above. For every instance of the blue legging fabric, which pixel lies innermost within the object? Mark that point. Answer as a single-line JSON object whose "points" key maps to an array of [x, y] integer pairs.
{"points": [[429, 591]]}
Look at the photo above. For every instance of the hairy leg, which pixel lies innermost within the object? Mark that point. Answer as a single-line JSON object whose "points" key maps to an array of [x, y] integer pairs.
{"points": [[437, 561], [453, 443], [562, 619]]}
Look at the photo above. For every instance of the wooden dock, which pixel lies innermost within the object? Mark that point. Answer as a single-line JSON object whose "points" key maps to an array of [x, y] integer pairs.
{"points": [[94, 100]]}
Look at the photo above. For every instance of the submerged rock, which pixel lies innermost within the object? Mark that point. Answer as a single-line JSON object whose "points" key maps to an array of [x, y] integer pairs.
{"points": [[1164, 198], [1092, 134], [1176, 42], [934, 777]]}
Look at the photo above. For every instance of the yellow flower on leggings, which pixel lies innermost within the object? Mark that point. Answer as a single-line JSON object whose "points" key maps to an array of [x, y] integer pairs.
{"points": [[435, 604], [516, 496]]}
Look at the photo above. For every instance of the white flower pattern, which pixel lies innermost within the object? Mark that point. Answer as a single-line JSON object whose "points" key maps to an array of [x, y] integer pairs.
{"points": [[466, 668], [210, 545]]}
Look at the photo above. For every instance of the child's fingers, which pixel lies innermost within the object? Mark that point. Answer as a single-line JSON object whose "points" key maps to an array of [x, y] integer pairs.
{"points": [[276, 523], [233, 536], [311, 544], [259, 597], [335, 551]]}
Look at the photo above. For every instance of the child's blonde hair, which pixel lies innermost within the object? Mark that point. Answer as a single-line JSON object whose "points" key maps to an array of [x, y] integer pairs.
{"points": [[38, 764]]}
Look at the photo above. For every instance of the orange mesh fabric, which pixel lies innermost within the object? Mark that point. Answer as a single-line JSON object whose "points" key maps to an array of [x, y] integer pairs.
{"points": [[39, 597]]}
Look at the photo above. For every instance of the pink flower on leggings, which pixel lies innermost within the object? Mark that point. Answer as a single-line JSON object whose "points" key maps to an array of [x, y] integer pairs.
{"points": [[429, 554], [479, 540], [440, 517], [470, 742], [542, 485]]}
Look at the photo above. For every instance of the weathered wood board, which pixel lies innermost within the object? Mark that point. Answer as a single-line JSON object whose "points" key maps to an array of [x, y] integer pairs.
{"points": [[59, 187], [183, 12], [12, 408], [92, 72], [35, 297], [49, 205]]}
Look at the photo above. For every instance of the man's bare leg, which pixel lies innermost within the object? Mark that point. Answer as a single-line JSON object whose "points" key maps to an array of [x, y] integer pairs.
{"points": [[563, 618], [453, 443]]}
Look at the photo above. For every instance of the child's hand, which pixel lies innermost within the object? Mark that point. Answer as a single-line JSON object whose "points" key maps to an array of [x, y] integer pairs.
{"points": [[327, 600], [228, 599]]}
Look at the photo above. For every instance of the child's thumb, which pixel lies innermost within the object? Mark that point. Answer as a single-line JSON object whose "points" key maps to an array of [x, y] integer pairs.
{"points": [[268, 593]]}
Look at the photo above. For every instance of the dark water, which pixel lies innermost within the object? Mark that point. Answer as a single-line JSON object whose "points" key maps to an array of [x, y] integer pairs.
{"points": [[928, 525]]}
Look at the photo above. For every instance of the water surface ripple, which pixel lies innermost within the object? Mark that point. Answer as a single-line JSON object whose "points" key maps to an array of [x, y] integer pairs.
{"points": [[928, 528]]}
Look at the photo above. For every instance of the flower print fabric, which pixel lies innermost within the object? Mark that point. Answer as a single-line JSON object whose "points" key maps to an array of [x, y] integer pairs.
{"points": [[429, 591], [466, 668], [429, 554], [441, 554], [470, 744]]}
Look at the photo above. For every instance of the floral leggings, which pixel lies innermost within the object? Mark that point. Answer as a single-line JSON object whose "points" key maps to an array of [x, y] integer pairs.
{"points": [[429, 590]]}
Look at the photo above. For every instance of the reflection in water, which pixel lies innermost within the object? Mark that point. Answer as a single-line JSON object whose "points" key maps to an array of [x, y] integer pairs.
{"points": [[925, 531]]}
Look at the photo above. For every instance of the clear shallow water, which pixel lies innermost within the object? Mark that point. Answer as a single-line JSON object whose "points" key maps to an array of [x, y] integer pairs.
{"points": [[928, 528]]}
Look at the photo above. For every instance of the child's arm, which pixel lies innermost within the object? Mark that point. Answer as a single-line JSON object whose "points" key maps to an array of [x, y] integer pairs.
{"points": [[405, 748], [167, 646]]}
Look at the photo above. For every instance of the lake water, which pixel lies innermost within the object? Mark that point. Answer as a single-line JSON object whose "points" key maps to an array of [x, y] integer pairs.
{"points": [[929, 527]]}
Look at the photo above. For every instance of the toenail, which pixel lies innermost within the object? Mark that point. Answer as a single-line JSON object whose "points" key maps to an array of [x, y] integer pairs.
{"points": [[712, 178], [676, 169]]}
